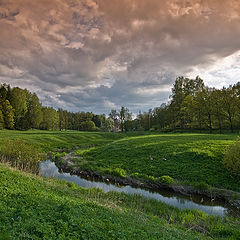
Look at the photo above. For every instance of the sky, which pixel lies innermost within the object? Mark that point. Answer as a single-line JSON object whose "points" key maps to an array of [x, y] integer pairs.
{"points": [[98, 55]]}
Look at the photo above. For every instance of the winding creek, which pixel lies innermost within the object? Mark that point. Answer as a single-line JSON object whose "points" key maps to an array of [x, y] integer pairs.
{"points": [[217, 208]]}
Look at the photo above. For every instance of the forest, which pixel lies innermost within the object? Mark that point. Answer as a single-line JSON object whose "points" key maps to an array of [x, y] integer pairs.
{"points": [[191, 106]]}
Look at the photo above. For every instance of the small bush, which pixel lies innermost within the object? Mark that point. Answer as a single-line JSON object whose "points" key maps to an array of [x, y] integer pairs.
{"points": [[201, 186], [166, 180], [118, 172], [71, 185], [58, 155], [21, 155], [231, 159], [136, 175]]}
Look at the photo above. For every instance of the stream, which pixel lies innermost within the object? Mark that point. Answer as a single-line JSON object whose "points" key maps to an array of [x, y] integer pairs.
{"points": [[194, 202]]}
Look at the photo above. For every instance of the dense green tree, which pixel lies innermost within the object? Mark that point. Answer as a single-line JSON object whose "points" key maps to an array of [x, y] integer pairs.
{"points": [[18, 100], [229, 105], [34, 114], [50, 119], [87, 125], [204, 100], [217, 108], [108, 125], [182, 88], [1, 120], [4, 89], [159, 117], [125, 116], [8, 114], [99, 120]]}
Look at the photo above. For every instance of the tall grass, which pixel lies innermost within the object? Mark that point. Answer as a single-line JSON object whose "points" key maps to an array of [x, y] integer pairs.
{"points": [[20, 155]]}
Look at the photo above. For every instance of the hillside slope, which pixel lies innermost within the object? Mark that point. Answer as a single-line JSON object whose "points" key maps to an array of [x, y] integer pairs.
{"points": [[36, 208]]}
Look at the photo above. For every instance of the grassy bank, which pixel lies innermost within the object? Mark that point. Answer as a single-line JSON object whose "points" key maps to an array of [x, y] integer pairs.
{"points": [[35, 208], [53, 140], [188, 158]]}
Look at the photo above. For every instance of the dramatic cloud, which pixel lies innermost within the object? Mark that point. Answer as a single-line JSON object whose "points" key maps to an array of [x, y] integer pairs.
{"points": [[96, 55]]}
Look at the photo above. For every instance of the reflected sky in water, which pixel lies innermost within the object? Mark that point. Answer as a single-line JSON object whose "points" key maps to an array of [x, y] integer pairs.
{"points": [[49, 169]]}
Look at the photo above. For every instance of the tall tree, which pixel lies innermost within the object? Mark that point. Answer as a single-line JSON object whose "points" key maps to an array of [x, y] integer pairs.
{"points": [[8, 114], [34, 113], [124, 116], [217, 103], [50, 119], [205, 102], [18, 100], [1, 120], [182, 88], [229, 100]]}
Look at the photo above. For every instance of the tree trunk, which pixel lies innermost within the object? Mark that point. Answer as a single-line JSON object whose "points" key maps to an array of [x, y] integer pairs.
{"points": [[210, 122]]}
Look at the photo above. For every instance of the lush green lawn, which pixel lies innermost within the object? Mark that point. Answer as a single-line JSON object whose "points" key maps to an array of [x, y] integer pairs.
{"points": [[53, 140], [35, 208], [185, 157]]}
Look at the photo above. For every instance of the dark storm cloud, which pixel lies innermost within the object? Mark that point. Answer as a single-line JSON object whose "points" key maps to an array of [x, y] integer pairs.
{"points": [[97, 55]]}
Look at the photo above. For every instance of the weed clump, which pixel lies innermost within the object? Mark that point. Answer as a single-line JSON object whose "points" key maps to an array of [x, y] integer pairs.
{"points": [[117, 172], [201, 186], [21, 155], [231, 159], [162, 179], [58, 155], [166, 180]]}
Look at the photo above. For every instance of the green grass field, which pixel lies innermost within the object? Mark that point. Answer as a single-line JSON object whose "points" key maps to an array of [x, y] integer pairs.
{"points": [[35, 208], [188, 158], [53, 140]]}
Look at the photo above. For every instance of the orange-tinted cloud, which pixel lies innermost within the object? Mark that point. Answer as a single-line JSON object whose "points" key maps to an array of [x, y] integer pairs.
{"points": [[93, 54]]}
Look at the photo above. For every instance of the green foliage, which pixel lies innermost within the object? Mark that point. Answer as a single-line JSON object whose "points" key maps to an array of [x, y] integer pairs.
{"points": [[162, 179], [184, 157], [8, 113], [37, 208], [18, 100], [166, 180], [232, 158], [59, 155], [135, 175], [1, 120], [34, 114], [50, 119], [118, 172], [21, 155], [201, 185], [107, 125], [87, 126]]}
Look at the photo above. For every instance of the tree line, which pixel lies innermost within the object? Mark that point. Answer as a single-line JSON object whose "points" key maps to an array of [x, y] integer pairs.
{"points": [[192, 106], [22, 110]]}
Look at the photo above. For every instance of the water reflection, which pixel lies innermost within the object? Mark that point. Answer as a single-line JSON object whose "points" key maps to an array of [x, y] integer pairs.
{"points": [[49, 169]]}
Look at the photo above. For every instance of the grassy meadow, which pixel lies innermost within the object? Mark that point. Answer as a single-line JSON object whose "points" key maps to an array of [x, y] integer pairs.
{"points": [[32, 207], [188, 158]]}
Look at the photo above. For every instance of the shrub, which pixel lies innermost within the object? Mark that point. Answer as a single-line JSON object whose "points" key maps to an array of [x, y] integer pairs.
{"points": [[201, 186], [166, 180], [135, 175], [21, 155], [118, 172], [59, 155], [231, 159]]}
